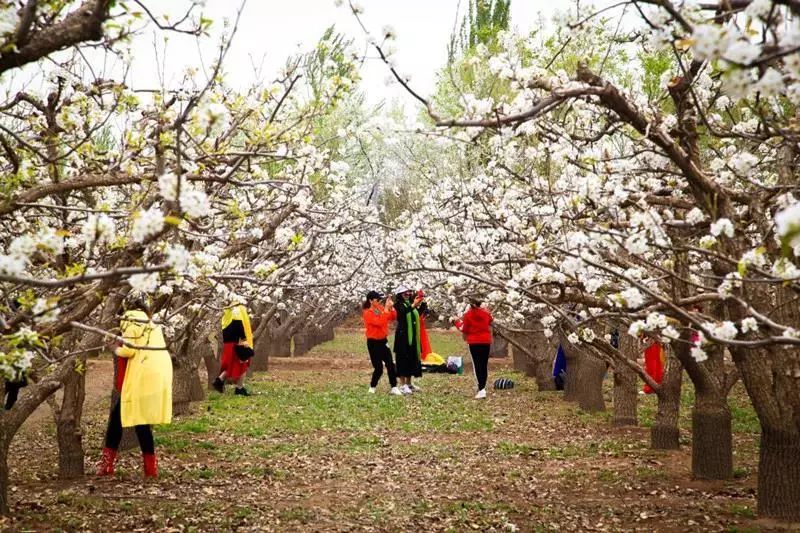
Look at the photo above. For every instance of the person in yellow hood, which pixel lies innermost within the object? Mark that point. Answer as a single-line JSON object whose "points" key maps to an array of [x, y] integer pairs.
{"points": [[144, 381], [237, 349]]}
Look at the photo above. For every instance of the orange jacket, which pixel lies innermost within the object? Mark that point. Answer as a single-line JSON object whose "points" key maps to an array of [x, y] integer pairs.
{"points": [[376, 322]]}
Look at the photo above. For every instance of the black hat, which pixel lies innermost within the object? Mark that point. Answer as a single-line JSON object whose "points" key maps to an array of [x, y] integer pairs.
{"points": [[371, 295]]}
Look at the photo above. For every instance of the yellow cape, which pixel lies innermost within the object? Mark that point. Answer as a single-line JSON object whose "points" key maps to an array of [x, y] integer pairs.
{"points": [[239, 312], [146, 396]]}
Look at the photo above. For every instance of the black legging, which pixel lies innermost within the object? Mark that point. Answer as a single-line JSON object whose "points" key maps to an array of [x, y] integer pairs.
{"points": [[114, 432], [12, 392], [380, 354], [480, 362]]}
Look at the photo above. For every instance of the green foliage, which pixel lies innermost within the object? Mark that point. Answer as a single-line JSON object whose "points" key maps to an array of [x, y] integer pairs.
{"points": [[655, 64], [484, 20]]}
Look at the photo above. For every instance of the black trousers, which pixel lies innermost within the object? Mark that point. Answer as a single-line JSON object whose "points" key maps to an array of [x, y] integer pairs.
{"points": [[380, 355], [12, 392], [480, 362], [114, 432]]}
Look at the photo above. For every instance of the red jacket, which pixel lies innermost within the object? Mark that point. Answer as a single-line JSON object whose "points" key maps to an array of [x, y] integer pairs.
{"points": [[376, 322], [475, 325]]}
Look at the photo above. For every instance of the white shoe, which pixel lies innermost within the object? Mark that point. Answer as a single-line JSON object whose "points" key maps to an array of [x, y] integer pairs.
{"points": [[405, 389], [415, 388], [372, 390], [481, 394], [395, 392]]}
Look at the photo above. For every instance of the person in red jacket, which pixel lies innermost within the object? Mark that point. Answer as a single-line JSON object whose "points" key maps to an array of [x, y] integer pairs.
{"points": [[475, 325], [376, 326]]}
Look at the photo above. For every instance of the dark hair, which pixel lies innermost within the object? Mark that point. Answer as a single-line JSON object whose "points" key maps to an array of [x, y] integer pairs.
{"points": [[367, 304], [136, 302], [475, 302]]}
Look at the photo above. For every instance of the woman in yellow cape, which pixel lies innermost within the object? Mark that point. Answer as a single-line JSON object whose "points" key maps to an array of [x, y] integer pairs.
{"points": [[144, 381], [237, 349]]}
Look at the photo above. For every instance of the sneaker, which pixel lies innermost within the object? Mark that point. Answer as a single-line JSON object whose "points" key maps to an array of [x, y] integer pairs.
{"points": [[371, 390], [241, 391], [218, 385], [415, 388], [405, 389], [395, 392], [481, 394]]}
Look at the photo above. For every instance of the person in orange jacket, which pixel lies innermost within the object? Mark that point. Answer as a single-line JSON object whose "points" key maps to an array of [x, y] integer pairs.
{"points": [[475, 325], [376, 326]]}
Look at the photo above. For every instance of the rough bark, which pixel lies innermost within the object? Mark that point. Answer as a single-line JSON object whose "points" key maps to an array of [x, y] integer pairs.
{"points": [[260, 362], [301, 345], [591, 372], [83, 24], [712, 446], [664, 434], [520, 360], [211, 358], [5, 441], [625, 380], [779, 476], [68, 427], [770, 380], [584, 380], [499, 347]]}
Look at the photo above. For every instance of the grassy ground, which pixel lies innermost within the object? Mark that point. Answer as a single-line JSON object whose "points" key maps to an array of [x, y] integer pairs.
{"points": [[312, 451]]}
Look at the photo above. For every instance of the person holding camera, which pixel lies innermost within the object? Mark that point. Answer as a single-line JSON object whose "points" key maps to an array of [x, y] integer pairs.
{"points": [[376, 325], [407, 338], [237, 349]]}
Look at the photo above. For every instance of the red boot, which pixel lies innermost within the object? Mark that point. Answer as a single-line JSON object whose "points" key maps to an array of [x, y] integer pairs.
{"points": [[150, 465], [106, 465]]}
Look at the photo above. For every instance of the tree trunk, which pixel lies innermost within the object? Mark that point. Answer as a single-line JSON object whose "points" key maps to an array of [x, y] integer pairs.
{"points": [[584, 380], [301, 344], [68, 427], [626, 396], [186, 385], [712, 447], [520, 360], [211, 360], [182, 387], [4, 444], [664, 435], [281, 347], [499, 348], [779, 476], [591, 372], [260, 362], [571, 377]]}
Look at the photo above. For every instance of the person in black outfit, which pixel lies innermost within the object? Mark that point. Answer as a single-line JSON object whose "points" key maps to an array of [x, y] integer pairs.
{"points": [[407, 338]]}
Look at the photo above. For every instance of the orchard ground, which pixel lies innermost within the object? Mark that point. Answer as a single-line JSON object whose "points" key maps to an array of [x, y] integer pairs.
{"points": [[310, 450]]}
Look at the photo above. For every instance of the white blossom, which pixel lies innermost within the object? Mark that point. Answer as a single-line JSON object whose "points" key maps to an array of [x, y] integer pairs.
{"points": [[670, 332], [695, 216], [9, 19], [194, 202], [168, 186], [699, 354], [726, 330], [749, 324], [145, 282], [147, 223], [722, 226]]}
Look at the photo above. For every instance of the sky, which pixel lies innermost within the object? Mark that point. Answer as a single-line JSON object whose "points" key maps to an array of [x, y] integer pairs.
{"points": [[272, 30]]}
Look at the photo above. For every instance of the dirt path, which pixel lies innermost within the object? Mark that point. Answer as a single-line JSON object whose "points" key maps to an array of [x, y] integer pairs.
{"points": [[311, 451], [99, 377]]}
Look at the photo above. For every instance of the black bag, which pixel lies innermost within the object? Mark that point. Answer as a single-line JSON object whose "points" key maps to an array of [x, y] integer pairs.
{"points": [[243, 352]]}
